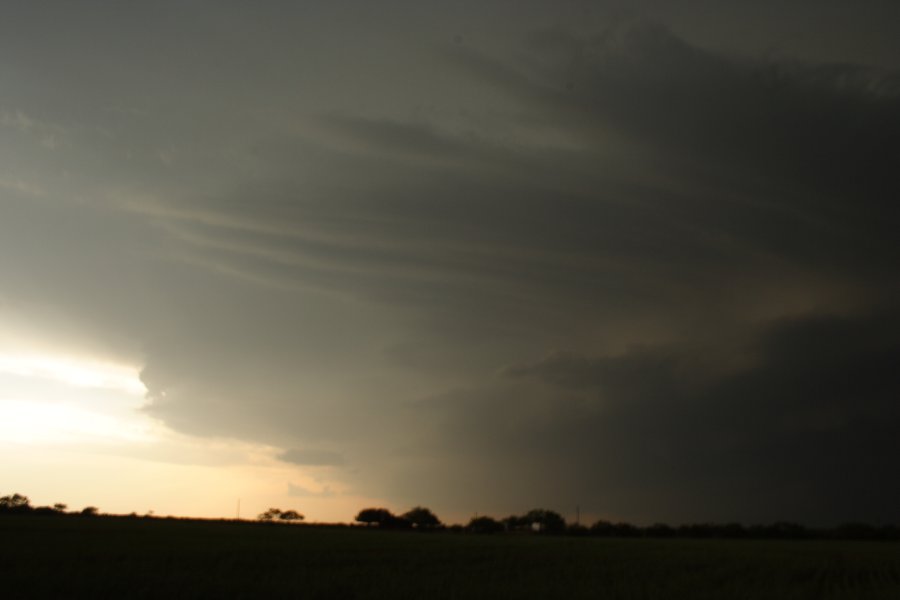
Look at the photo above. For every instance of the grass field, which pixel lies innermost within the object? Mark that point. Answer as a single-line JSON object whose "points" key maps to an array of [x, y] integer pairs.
{"points": [[53, 557]]}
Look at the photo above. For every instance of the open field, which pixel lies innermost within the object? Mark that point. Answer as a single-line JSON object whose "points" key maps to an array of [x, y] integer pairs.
{"points": [[52, 557]]}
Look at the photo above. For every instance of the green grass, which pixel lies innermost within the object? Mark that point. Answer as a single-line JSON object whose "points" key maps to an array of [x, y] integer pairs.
{"points": [[56, 557]]}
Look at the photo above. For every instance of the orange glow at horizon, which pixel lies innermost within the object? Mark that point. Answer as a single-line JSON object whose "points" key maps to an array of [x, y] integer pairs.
{"points": [[77, 435]]}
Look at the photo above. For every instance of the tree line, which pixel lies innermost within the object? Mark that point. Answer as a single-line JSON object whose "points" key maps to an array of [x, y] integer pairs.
{"points": [[536, 521], [17, 504], [543, 521]]}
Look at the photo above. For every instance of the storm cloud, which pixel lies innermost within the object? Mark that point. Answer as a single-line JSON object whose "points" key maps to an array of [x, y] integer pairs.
{"points": [[587, 255]]}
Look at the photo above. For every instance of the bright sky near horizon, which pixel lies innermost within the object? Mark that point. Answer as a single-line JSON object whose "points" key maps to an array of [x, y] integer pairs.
{"points": [[73, 431]]}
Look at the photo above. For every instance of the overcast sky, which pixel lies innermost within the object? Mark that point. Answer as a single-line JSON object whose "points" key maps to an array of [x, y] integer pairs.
{"points": [[637, 257]]}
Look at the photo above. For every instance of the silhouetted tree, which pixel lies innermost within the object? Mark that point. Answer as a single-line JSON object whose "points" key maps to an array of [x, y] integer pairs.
{"points": [[290, 515], [779, 530], [856, 531], [375, 516], [89, 511], [625, 530], [545, 521], [697, 530], [578, 529], [514, 522], [786, 530], [422, 518], [659, 530], [485, 525], [606, 529], [16, 504], [732, 530], [270, 515], [602, 528]]}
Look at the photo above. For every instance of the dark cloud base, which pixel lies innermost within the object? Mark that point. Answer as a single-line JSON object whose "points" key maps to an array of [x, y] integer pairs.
{"points": [[806, 429], [746, 184]]}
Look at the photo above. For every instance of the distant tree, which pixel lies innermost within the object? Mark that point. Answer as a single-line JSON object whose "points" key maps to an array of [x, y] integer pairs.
{"points": [[779, 530], [623, 529], [485, 525], [514, 522], [659, 530], [856, 531], [290, 515], [577, 529], [89, 511], [396, 522], [698, 530], [732, 530], [545, 521], [786, 530], [270, 515], [60, 507], [375, 516], [422, 518], [602, 528], [606, 529], [16, 503]]}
